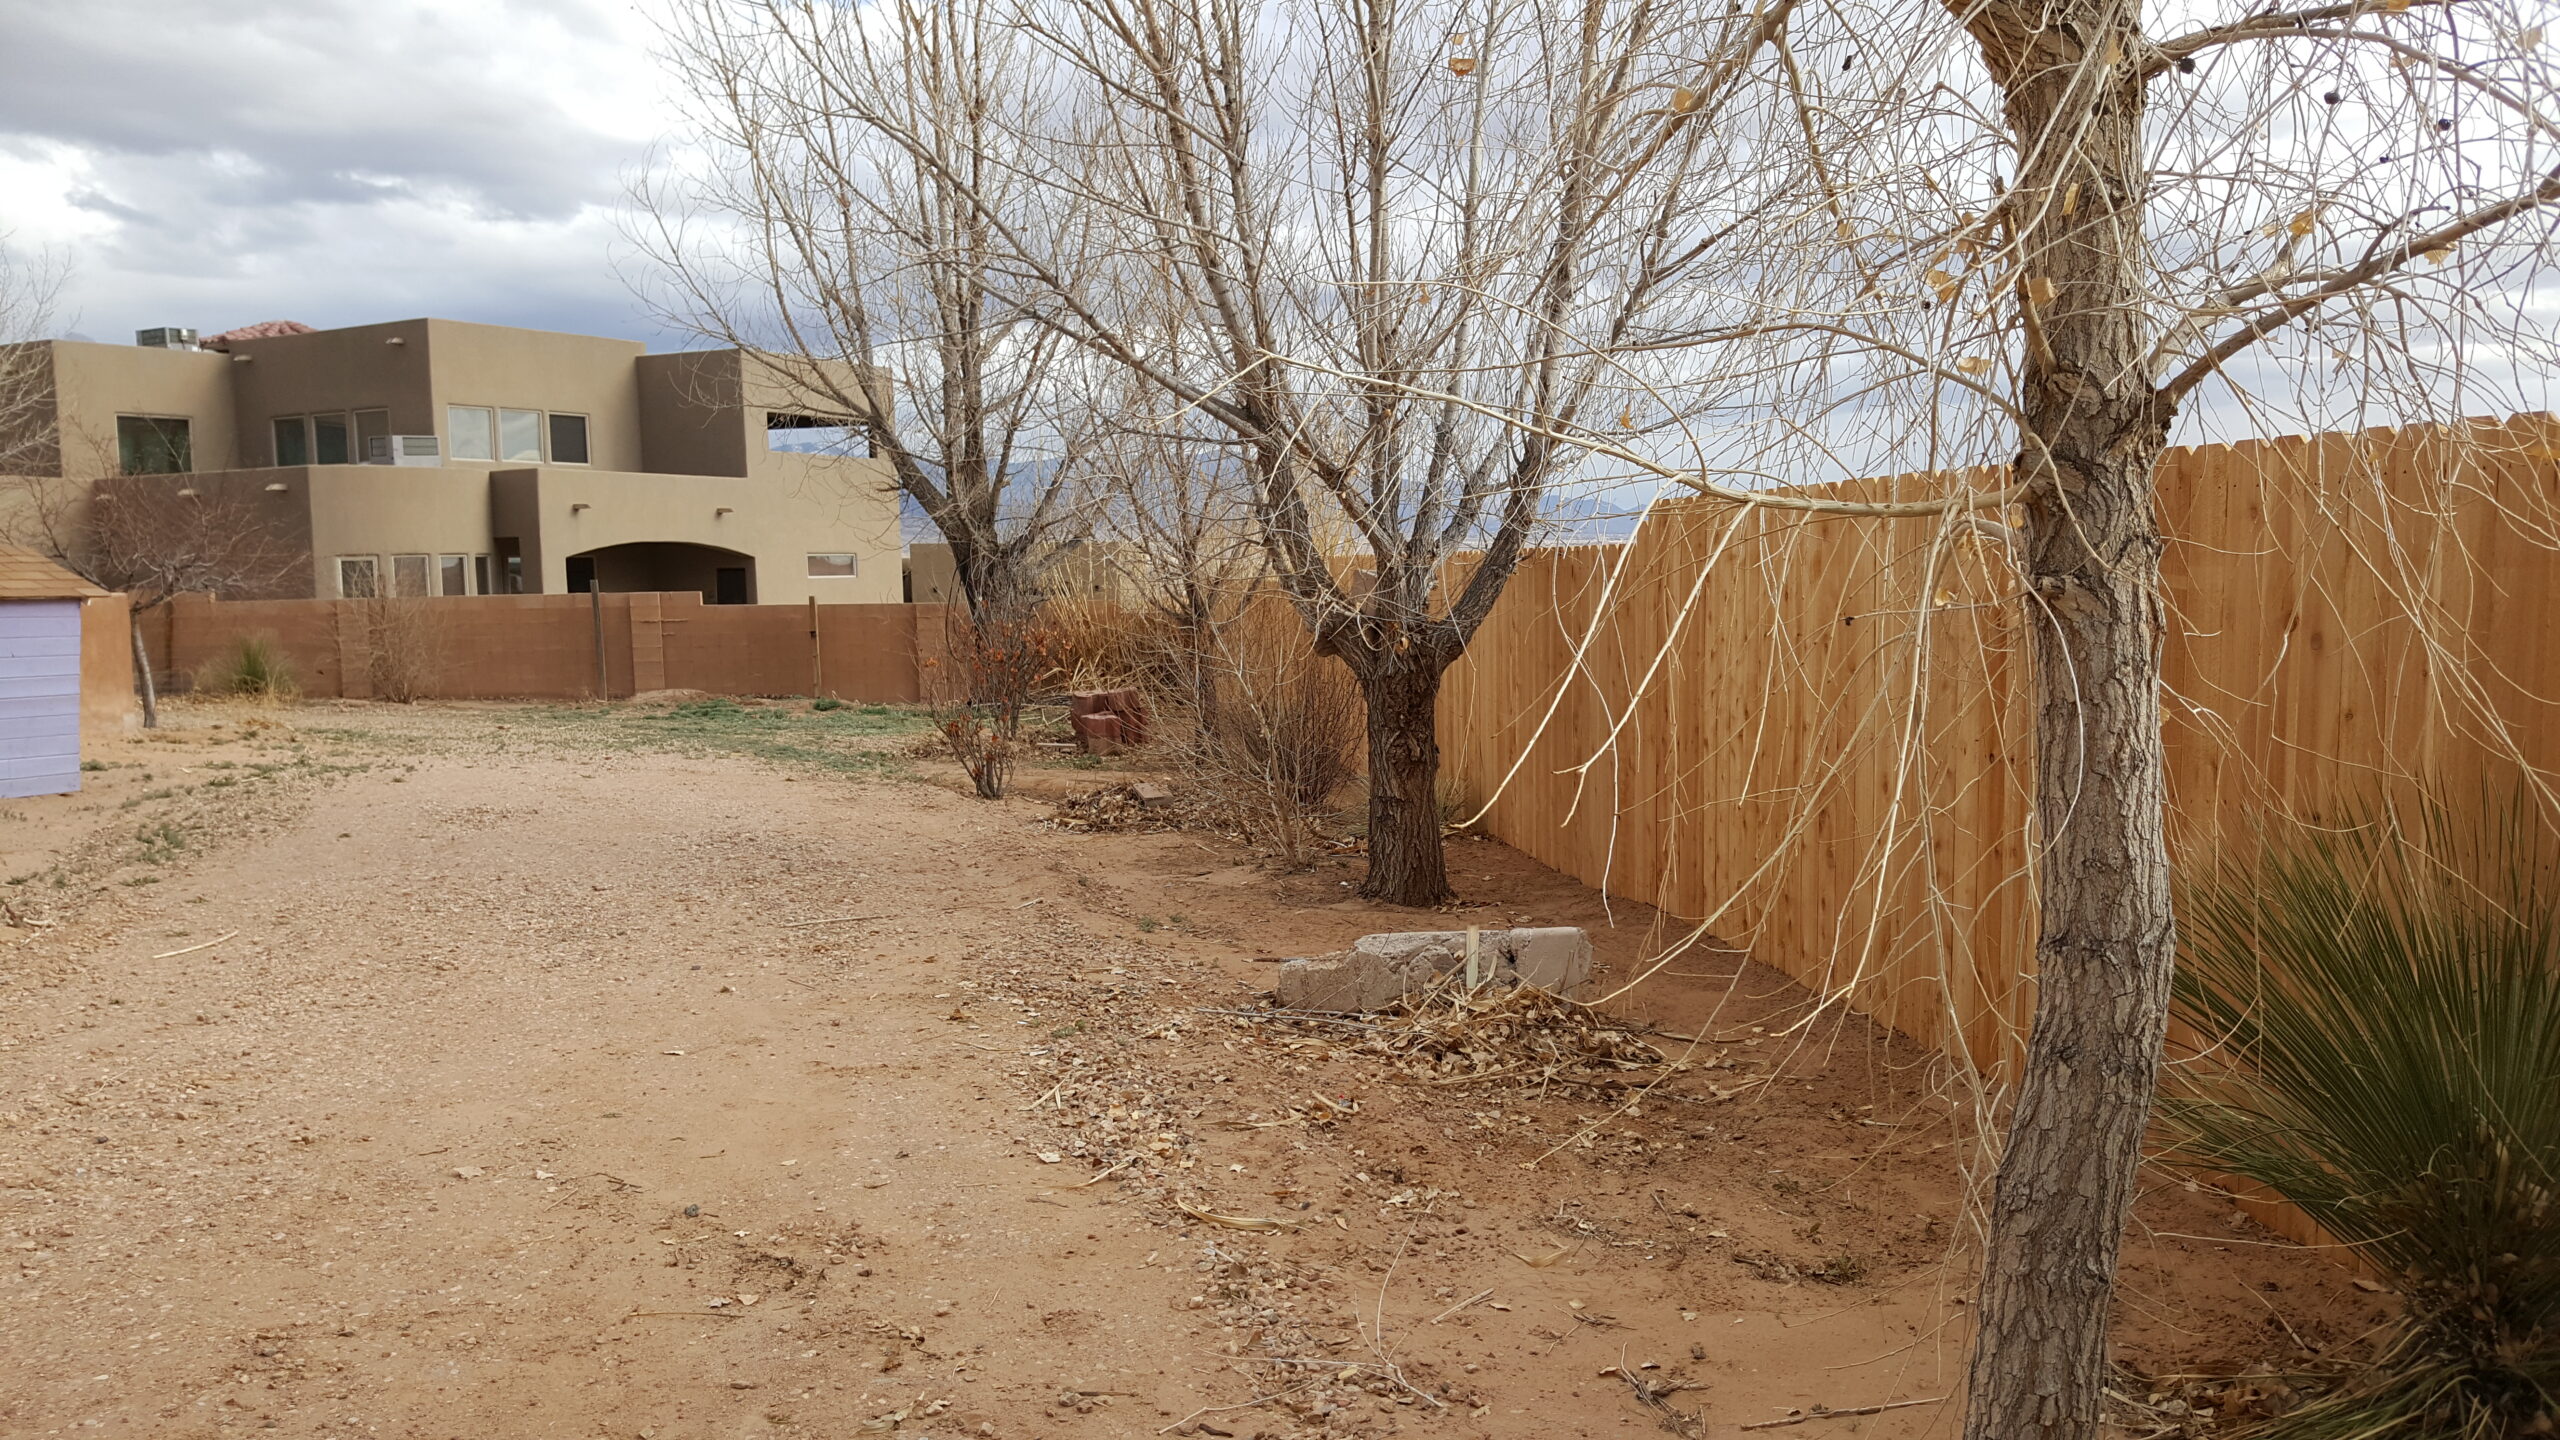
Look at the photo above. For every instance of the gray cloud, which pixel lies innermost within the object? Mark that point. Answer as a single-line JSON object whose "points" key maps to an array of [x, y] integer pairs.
{"points": [[334, 161]]}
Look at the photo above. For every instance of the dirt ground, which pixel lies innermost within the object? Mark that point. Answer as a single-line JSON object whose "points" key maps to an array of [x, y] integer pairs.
{"points": [[490, 1071]]}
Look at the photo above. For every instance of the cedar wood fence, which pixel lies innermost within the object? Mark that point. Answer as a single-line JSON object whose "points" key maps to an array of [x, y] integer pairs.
{"points": [[1830, 764]]}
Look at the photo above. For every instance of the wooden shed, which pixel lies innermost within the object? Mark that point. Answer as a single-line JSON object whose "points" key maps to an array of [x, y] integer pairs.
{"points": [[66, 672]]}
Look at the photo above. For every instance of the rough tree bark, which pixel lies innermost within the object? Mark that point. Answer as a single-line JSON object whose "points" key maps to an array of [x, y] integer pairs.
{"points": [[2092, 433], [1407, 864]]}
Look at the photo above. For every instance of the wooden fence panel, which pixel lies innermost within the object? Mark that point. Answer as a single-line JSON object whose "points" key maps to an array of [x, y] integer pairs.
{"points": [[1812, 733]]}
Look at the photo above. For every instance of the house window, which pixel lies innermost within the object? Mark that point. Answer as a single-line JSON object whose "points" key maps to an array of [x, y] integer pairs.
{"points": [[409, 574], [568, 439], [469, 433], [293, 441], [480, 575], [834, 567], [810, 434], [329, 440], [153, 445], [453, 574], [520, 435], [373, 425], [515, 574], [357, 577]]}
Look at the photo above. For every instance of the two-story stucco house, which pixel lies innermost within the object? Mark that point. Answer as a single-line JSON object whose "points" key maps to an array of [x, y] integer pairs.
{"points": [[434, 457]]}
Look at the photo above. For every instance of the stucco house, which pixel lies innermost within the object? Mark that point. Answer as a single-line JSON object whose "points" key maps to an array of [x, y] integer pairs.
{"points": [[436, 457]]}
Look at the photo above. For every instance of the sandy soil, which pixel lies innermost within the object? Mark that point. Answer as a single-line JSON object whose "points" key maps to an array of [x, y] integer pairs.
{"points": [[452, 1076]]}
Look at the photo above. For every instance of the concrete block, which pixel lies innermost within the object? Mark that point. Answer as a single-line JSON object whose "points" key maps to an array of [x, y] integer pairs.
{"points": [[1381, 968], [1555, 958], [1349, 983]]}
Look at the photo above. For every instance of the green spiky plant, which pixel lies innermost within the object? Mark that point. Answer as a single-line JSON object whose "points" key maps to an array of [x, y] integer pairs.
{"points": [[255, 668], [2380, 1007]]}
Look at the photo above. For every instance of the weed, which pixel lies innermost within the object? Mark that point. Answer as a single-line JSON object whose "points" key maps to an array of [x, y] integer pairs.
{"points": [[1147, 922], [160, 844], [143, 880], [825, 703], [1841, 1269], [93, 765]]}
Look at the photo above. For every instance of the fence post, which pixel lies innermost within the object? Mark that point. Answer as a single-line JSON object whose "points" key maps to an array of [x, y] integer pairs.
{"points": [[817, 656], [595, 605]]}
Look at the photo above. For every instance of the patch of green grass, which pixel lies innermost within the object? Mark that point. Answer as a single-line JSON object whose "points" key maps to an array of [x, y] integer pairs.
{"points": [[93, 764], [826, 702], [836, 740]]}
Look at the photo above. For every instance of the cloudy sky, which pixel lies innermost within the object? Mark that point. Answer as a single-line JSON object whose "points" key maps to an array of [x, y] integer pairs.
{"points": [[329, 161]]}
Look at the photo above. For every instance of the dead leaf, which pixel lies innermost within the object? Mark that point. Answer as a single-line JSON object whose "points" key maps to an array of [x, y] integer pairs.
{"points": [[1234, 1222], [468, 1172], [1541, 1262]]}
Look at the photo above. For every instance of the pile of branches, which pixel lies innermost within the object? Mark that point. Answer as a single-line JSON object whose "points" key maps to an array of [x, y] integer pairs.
{"points": [[1449, 1034], [1115, 808]]}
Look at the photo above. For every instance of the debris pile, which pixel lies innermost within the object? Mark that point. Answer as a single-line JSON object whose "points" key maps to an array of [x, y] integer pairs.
{"points": [[1449, 1034], [1139, 806]]}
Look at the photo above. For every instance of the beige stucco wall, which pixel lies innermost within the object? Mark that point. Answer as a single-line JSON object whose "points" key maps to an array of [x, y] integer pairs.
{"points": [[387, 510], [691, 418], [93, 384], [331, 371], [501, 366], [780, 526]]}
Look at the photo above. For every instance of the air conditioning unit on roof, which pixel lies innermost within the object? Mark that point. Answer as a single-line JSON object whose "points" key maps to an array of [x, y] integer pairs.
{"points": [[403, 450]]}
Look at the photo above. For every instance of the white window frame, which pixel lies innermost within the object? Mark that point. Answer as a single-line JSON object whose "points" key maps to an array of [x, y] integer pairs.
{"points": [[585, 422], [426, 577], [452, 567], [532, 456], [373, 567], [454, 432]]}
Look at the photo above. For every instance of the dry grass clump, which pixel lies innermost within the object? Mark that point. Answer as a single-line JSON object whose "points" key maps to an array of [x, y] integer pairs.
{"points": [[254, 668], [1100, 644]]}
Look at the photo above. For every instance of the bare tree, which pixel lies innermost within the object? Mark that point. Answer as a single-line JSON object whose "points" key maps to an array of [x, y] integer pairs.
{"points": [[1383, 232], [2006, 247], [863, 271], [28, 445], [1172, 515], [155, 542]]}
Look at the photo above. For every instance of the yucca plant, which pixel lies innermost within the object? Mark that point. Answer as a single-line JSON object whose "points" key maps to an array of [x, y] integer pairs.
{"points": [[2379, 1004], [254, 668]]}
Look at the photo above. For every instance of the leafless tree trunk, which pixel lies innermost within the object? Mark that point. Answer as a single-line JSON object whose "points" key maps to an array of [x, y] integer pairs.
{"points": [[2091, 433], [864, 274]]}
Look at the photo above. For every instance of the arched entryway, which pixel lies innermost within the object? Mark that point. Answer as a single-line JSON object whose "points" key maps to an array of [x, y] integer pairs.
{"points": [[722, 577]]}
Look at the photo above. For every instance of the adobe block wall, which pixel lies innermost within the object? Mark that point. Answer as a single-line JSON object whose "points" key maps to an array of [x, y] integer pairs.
{"points": [[544, 647]]}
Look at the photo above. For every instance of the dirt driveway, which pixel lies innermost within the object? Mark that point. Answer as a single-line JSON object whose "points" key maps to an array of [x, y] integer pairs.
{"points": [[506, 1083]]}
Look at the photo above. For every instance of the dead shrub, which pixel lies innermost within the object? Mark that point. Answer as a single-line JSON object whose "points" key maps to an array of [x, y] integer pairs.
{"points": [[404, 646], [991, 670], [1279, 731]]}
